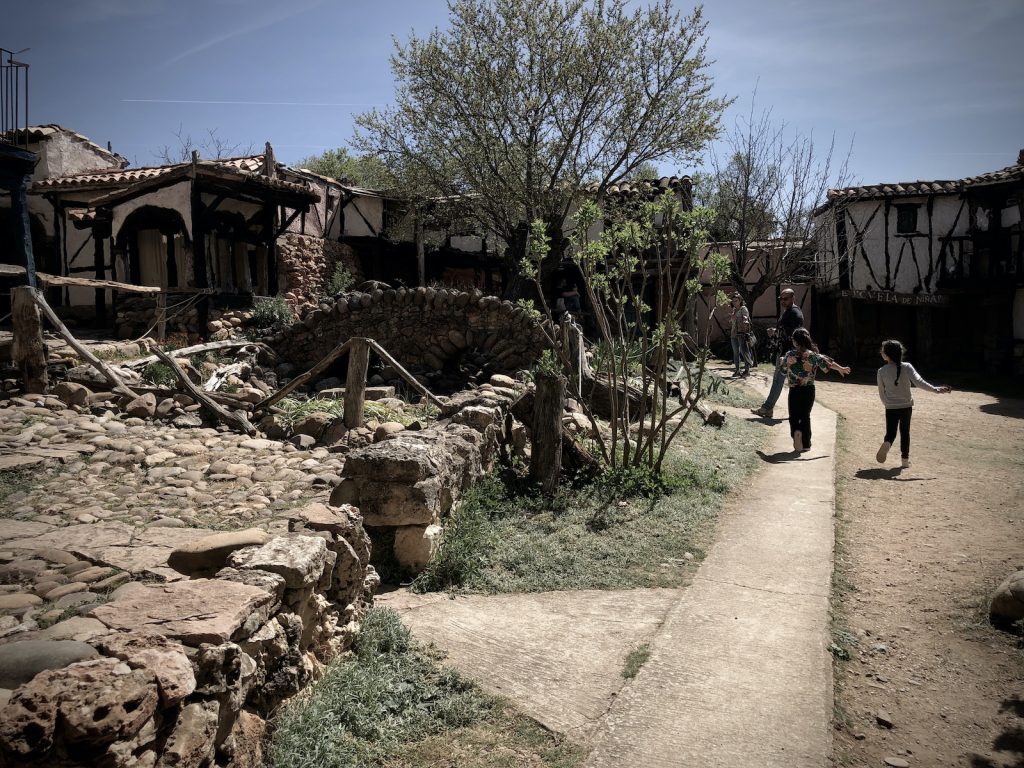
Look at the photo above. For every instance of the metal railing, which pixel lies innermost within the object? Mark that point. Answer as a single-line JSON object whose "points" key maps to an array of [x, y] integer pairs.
{"points": [[13, 98]]}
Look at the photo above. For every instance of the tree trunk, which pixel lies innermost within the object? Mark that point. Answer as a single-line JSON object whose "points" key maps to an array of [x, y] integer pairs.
{"points": [[29, 351], [355, 382], [546, 452]]}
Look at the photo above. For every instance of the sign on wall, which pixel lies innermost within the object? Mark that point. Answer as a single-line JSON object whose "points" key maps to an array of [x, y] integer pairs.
{"points": [[891, 297]]}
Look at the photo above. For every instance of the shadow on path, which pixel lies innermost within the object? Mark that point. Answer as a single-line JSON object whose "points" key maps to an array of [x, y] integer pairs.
{"points": [[783, 457], [1010, 741], [893, 473]]}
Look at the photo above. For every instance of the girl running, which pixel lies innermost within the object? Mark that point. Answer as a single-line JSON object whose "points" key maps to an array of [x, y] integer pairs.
{"points": [[894, 380], [801, 364]]}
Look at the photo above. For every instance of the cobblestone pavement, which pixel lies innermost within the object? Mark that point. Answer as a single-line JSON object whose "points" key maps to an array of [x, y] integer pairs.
{"points": [[128, 492]]}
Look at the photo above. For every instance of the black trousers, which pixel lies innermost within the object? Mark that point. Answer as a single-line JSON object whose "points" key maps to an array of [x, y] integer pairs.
{"points": [[801, 400], [899, 418]]}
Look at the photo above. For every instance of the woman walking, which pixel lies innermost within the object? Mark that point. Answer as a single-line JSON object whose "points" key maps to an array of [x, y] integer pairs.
{"points": [[894, 381], [739, 334], [801, 363]]}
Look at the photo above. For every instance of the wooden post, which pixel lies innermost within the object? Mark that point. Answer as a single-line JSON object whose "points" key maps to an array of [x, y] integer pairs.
{"points": [[161, 316], [29, 351], [99, 259], [546, 452], [355, 382]]}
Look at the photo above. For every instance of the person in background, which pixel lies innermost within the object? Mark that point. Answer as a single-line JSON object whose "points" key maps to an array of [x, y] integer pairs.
{"points": [[790, 319], [894, 381], [801, 363], [739, 332]]}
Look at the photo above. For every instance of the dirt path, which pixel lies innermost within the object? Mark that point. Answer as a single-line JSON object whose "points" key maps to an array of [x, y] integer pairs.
{"points": [[921, 550]]}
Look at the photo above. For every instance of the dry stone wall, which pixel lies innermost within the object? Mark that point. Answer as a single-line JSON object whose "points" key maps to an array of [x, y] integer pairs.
{"points": [[425, 329], [407, 484], [184, 673], [306, 264]]}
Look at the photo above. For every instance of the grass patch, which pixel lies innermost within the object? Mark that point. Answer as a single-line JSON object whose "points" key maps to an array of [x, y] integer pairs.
{"points": [[294, 410], [506, 537], [14, 481], [392, 704], [160, 375], [635, 659], [731, 392]]}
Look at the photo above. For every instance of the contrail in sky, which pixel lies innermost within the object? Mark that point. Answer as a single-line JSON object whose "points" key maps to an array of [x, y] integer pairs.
{"points": [[254, 103]]}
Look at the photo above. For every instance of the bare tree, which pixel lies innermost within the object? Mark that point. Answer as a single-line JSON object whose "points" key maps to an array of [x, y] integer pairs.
{"points": [[211, 146], [764, 188]]}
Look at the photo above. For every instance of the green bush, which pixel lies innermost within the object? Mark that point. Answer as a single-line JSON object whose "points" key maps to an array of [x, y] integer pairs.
{"points": [[160, 374], [272, 312], [465, 543], [341, 280]]}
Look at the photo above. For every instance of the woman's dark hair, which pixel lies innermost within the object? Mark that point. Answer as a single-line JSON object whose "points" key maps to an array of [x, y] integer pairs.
{"points": [[802, 338], [894, 350]]}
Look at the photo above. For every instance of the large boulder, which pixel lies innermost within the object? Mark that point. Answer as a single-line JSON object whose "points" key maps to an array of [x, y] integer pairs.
{"points": [[21, 661], [1007, 603], [299, 560]]}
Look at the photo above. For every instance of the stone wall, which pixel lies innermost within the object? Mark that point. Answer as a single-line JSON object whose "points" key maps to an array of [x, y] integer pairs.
{"points": [[425, 329], [408, 483], [136, 317], [184, 673], [306, 264]]}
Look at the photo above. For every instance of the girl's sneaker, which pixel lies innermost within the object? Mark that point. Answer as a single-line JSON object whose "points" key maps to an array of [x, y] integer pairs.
{"points": [[905, 463], [883, 451]]}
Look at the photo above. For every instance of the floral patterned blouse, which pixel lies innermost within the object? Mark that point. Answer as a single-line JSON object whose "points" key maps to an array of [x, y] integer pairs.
{"points": [[802, 366]]}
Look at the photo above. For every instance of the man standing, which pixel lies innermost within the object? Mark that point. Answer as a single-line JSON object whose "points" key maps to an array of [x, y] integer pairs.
{"points": [[790, 319]]}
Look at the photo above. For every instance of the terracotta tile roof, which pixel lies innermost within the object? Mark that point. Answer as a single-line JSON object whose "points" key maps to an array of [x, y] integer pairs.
{"points": [[248, 168], [645, 188], [916, 188], [43, 132]]}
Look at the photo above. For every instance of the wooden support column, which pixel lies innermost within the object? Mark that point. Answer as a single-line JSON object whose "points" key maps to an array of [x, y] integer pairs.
{"points": [[421, 258], [199, 271], [100, 233], [546, 451], [272, 276], [29, 352], [355, 382]]}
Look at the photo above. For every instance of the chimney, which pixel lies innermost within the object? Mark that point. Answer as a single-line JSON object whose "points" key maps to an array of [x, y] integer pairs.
{"points": [[269, 163], [1020, 157]]}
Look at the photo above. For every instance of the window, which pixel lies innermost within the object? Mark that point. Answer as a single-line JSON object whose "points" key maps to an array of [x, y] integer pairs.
{"points": [[906, 219]]}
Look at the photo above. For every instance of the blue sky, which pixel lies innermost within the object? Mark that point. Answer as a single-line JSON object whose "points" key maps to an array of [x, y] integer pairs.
{"points": [[924, 89]]}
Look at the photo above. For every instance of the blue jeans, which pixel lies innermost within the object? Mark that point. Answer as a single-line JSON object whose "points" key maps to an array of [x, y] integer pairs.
{"points": [[740, 351], [778, 380]]}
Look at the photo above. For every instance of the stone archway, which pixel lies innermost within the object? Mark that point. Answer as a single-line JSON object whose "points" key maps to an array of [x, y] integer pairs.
{"points": [[426, 329]]}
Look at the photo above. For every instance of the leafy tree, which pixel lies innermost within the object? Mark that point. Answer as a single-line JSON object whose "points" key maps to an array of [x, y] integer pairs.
{"points": [[518, 102], [764, 188], [360, 170]]}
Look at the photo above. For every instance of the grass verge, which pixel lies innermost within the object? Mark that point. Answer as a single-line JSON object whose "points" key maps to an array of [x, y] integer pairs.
{"points": [[14, 481], [635, 659], [392, 704], [505, 537]]}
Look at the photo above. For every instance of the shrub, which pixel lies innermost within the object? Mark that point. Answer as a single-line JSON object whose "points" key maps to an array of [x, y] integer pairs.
{"points": [[160, 374], [272, 312], [341, 280], [465, 542]]}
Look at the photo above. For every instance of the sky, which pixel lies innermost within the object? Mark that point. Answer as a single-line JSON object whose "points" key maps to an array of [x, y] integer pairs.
{"points": [[912, 89]]}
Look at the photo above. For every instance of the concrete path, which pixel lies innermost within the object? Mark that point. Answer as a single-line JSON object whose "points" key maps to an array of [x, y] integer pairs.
{"points": [[739, 673]]}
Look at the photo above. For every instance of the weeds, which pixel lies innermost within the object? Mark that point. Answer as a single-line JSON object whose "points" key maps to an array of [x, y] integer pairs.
{"points": [[383, 702], [160, 374], [464, 545], [15, 481], [341, 280], [635, 659], [273, 312]]}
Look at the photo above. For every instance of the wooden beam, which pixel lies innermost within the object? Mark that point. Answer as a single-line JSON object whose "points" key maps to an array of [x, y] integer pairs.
{"points": [[236, 420], [298, 381], [194, 349], [108, 373], [409, 378]]}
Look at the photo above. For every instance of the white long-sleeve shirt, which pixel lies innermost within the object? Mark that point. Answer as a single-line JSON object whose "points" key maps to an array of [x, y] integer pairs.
{"points": [[897, 395]]}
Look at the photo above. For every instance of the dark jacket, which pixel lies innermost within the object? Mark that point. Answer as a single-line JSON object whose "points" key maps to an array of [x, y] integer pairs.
{"points": [[791, 319]]}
